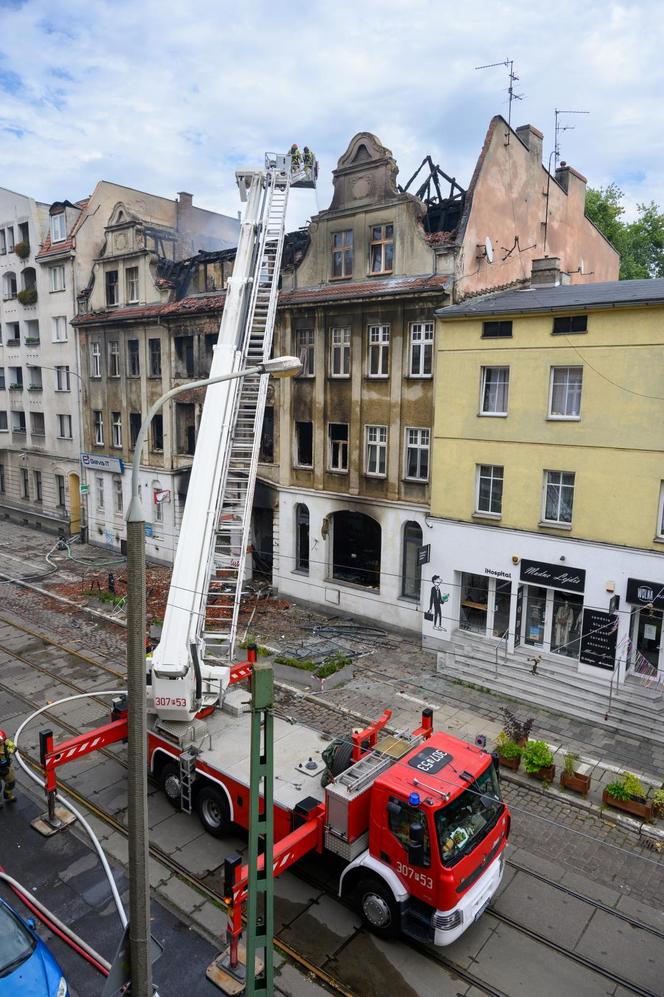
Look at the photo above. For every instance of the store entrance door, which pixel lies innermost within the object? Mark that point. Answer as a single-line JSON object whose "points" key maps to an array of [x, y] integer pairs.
{"points": [[646, 641]]}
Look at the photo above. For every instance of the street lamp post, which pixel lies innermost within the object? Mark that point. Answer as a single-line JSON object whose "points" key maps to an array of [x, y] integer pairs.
{"points": [[139, 883]]}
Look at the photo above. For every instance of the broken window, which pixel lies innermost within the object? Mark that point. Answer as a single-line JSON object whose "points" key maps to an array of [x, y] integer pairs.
{"points": [[379, 351], [301, 538], [158, 432], [155, 357], [133, 359], [411, 574], [356, 548], [184, 354], [267, 436], [185, 423], [305, 349], [304, 444], [342, 253], [376, 452], [340, 353], [421, 349], [382, 248], [135, 422], [338, 446], [112, 296]]}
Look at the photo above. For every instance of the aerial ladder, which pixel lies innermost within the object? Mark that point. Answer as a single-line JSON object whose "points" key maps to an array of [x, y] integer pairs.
{"points": [[191, 665]]}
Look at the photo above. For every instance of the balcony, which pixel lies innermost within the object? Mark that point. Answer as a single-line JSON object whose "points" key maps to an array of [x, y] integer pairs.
{"points": [[16, 387], [14, 342], [31, 341], [35, 387]]}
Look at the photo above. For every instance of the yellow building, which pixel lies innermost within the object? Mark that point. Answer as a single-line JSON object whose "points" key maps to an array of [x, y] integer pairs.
{"points": [[548, 477]]}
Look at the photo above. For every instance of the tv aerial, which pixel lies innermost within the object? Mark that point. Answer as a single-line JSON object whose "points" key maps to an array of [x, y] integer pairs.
{"points": [[561, 128], [512, 77]]}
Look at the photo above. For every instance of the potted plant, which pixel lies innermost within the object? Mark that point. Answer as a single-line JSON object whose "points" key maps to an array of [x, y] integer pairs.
{"points": [[28, 296], [22, 249], [509, 752], [570, 778], [538, 760], [516, 730], [658, 802], [629, 794]]}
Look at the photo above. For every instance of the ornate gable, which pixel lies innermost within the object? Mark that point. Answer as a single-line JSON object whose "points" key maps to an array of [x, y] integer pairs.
{"points": [[366, 173]]}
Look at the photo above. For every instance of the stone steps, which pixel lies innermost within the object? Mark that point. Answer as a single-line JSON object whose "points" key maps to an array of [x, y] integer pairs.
{"points": [[555, 686]]}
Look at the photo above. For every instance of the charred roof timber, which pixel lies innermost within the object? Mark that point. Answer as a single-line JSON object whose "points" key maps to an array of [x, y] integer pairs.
{"points": [[443, 211]]}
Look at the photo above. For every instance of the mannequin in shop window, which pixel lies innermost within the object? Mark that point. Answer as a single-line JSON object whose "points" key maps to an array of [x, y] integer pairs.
{"points": [[563, 624]]}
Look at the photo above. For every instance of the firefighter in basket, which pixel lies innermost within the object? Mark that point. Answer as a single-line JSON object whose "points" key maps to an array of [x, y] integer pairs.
{"points": [[7, 777]]}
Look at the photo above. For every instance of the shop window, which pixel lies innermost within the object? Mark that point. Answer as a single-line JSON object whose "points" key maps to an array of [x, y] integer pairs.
{"points": [[474, 602], [566, 626], [534, 615], [301, 538], [501, 608], [645, 651], [356, 549], [99, 491], [411, 571]]}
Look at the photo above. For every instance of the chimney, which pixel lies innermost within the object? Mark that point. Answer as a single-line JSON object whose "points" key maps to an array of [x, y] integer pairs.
{"points": [[532, 138], [546, 272], [572, 182], [185, 200]]}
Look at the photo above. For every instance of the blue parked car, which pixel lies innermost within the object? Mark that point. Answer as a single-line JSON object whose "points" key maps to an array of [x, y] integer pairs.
{"points": [[27, 968]]}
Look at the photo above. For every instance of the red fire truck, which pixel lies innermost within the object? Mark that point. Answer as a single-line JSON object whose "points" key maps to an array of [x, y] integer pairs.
{"points": [[416, 819]]}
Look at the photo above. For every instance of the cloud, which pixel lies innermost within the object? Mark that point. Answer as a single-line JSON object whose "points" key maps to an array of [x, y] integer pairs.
{"points": [[163, 99]]}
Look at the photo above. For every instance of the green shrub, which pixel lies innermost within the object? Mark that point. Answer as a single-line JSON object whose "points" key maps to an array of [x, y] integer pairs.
{"points": [[262, 650], [22, 250], [633, 785], [617, 790], [515, 729], [571, 761], [507, 748], [28, 296], [536, 755], [658, 802], [320, 671]]}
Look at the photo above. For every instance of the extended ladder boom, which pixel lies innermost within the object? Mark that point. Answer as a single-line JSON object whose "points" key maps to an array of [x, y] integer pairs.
{"points": [[190, 667]]}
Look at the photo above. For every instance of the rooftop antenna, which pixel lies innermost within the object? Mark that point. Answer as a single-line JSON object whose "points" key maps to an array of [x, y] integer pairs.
{"points": [[561, 128], [510, 89]]}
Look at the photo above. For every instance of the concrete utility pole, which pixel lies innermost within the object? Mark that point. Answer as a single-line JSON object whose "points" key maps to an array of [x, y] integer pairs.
{"points": [[139, 882]]}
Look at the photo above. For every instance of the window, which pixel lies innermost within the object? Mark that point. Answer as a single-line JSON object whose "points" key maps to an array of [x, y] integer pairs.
{"points": [[421, 349], [99, 490], [474, 602], [184, 352], [379, 351], [16, 377], [376, 452], [37, 424], [495, 390], [266, 450], [342, 253], [411, 572], [116, 429], [60, 489], [2, 479], [131, 285], [356, 548], [112, 296], [4, 425], [135, 422], [301, 538], [155, 357], [3, 242], [62, 380], [489, 489], [64, 427], [566, 624], [305, 349], [59, 329], [57, 278], [10, 239], [340, 358], [157, 501], [418, 442], [401, 817], [58, 227], [570, 323], [35, 379], [32, 332], [496, 330], [117, 494], [565, 393], [304, 444], [37, 480], [382, 248], [13, 334], [9, 287], [157, 427], [133, 359], [2, 379], [25, 483], [114, 358], [338, 441], [18, 422], [558, 496], [660, 518], [95, 359], [99, 427]]}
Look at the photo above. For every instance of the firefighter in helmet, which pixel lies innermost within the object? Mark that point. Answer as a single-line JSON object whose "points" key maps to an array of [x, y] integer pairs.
{"points": [[296, 157], [7, 777]]}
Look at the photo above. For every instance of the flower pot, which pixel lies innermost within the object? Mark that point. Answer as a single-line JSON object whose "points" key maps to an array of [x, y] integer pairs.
{"points": [[510, 763], [578, 782], [636, 808], [546, 774]]}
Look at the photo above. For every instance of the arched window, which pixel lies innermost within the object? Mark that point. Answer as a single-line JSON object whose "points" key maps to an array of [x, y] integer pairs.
{"points": [[301, 537], [411, 571], [9, 286], [28, 278], [356, 548]]}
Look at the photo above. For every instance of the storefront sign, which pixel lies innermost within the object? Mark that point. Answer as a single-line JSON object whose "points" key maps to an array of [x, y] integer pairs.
{"points": [[642, 593], [99, 462], [598, 639], [519, 616], [553, 575], [495, 573], [424, 554]]}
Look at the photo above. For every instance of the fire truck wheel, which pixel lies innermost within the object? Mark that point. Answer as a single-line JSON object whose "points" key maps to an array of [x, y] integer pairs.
{"points": [[169, 777], [377, 906], [213, 810]]}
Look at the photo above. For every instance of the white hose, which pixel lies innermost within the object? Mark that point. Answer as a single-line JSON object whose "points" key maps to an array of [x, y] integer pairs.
{"points": [[64, 800], [24, 891]]}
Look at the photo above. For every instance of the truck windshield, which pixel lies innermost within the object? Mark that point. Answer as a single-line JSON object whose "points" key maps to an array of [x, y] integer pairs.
{"points": [[469, 818]]}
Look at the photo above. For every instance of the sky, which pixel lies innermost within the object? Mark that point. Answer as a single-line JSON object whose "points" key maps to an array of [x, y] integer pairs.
{"points": [[169, 96]]}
